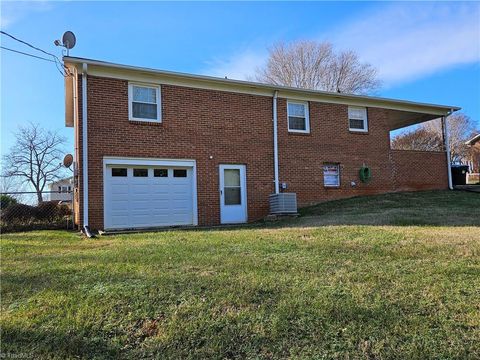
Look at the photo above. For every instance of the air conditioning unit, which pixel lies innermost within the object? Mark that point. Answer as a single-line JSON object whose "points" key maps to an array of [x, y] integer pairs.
{"points": [[283, 203]]}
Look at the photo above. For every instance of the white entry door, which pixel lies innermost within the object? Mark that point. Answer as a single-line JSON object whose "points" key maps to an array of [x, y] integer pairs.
{"points": [[233, 194]]}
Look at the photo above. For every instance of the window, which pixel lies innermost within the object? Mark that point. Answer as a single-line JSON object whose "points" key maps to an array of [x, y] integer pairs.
{"points": [[331, 175], [232, 187], [160, 172], [140, 172], [357, 119], [180, 173], [119, 172], [144, 102], [297, 113]]}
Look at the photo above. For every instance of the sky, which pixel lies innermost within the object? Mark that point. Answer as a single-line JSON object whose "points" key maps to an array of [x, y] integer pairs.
{"points": [[426, 52]]}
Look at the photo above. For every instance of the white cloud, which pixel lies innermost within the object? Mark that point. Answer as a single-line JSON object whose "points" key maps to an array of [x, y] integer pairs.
{"points": [[239, 66], [408, 41], [405, 41], [14, 11]]}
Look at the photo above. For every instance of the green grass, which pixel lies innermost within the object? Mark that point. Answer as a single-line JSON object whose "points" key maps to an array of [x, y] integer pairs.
{"points": [[453, 208], [346, 292]]}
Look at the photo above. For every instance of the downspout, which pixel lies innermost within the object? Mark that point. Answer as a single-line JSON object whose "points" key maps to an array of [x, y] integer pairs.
{"points": [[86, 228], [447, 146], [275, 143]]}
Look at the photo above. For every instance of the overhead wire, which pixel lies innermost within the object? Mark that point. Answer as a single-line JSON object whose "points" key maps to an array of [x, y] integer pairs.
{"points": [[56, 60], [27, 54]]}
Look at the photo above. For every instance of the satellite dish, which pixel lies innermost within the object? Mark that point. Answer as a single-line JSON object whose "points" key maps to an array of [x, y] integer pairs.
{"points": [[68, 160], [69, 40]]}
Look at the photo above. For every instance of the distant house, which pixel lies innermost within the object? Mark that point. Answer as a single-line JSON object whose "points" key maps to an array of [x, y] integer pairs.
{"points": [[61, 190], [474, 154]]}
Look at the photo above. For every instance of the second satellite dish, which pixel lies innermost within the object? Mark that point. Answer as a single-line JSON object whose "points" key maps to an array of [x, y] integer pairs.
{"points": [[69, 40], [68, 160]]}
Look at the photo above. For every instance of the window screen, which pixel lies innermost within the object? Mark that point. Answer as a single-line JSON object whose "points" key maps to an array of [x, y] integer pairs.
{"points": [[357, 118], [144, 102], [232, 187], [297, 116]]}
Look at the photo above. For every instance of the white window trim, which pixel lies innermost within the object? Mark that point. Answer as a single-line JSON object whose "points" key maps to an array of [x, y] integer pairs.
{"points": [[307, 117], [130, 101], [339, 176], [365, 120]]}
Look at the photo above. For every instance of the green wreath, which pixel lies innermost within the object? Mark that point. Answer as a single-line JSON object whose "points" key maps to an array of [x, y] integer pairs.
{"points": [[365, 174]]}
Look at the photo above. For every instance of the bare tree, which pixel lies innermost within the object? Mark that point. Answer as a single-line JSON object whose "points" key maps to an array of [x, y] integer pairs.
{"points": [[315, 65], [418, 139], [35, 158], [460, 129], [11, 186], [428, 136]]}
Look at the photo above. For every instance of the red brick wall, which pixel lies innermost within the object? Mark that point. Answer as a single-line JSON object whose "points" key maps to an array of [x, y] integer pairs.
{"points": [[419, 170], [196, 124], [302, 156], [237, 128]]}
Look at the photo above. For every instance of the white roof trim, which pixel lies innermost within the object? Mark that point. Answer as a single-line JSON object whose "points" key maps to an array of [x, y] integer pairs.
{"points": [[133, 73]]}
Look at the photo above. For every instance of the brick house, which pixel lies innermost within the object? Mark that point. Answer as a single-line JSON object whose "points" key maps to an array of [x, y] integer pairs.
{"points": [[474, 153], [156, 148]]}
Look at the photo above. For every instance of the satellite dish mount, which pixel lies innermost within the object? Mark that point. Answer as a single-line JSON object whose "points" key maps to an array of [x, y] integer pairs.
{"points": [[68, 41]]}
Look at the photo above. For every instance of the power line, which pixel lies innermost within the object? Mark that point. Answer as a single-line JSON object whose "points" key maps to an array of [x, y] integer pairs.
{"points": [[28, 44], [24, 53], [56, 60]]}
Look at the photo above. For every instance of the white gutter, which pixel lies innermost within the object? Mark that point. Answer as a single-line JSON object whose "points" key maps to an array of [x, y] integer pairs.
{"points": [[84, 147], [447, 146], [275, 143]]}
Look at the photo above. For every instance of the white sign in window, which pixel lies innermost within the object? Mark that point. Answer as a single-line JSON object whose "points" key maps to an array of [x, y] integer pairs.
{"points": [[331, 175]]}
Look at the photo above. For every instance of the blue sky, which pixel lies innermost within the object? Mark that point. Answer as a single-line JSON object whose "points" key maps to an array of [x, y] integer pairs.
{"points": [[427, 52]]}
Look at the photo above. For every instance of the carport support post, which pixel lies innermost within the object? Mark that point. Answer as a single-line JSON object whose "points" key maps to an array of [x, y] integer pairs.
{"points": [[447, 150]]}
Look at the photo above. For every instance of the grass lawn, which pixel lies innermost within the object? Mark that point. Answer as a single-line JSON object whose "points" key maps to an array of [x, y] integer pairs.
{"points": [[337, 291]]}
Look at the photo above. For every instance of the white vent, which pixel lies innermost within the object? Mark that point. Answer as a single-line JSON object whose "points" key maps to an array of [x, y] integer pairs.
{"points": [[283, 203]]}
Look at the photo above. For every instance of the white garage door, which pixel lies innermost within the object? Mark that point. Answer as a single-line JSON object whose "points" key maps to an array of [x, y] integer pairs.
{"points": [[148, 196]]}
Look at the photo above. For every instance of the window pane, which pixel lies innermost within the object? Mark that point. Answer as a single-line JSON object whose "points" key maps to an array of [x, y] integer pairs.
{"points": [[232, 196], [231, 177], [160, 172], [296, 110], [295, 123], [144, 111], [119, 172], [179, 173], [357, 113], [331, 175], [140, 172], [144, 94], [356, 124]]}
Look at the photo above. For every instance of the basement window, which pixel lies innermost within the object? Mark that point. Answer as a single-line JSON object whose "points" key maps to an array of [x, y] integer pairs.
{"points": [[331, 175], [298, 121], [144, 102], [357, 119]]}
